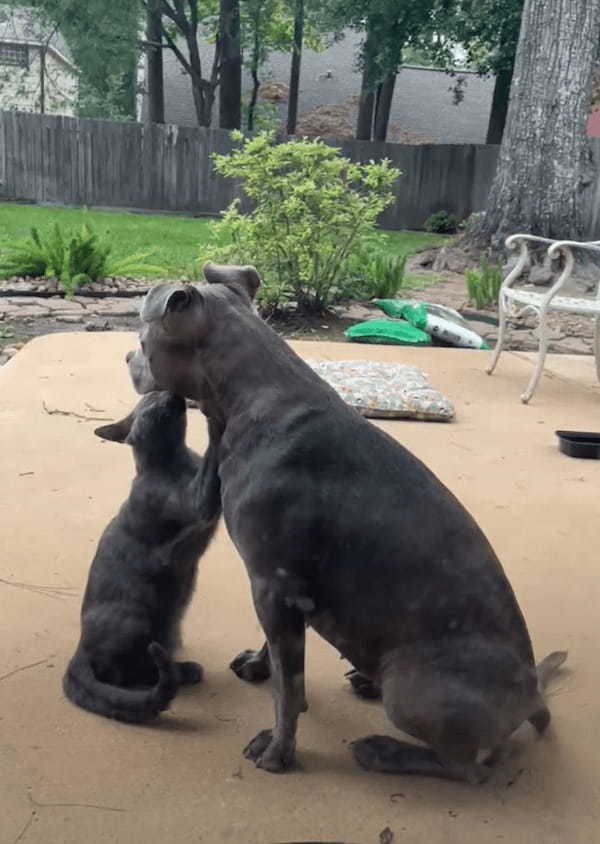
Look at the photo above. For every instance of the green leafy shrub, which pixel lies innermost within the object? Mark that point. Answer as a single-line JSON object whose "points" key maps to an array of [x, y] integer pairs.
{"points": [[74, 259], [311, 207], [483, 285], [442, 223]]}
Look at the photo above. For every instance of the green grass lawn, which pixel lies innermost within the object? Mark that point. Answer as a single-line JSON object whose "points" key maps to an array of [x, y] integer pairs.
{"points": [[174, 241]]}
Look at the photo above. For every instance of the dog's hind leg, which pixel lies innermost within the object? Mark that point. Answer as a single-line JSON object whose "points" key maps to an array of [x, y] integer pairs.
{"points": [[285, 629], [437, 709], [389, 756], [252, 666]]}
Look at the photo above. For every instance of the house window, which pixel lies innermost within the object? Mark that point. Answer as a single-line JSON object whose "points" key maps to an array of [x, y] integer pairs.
{"points": [[16, 55]]}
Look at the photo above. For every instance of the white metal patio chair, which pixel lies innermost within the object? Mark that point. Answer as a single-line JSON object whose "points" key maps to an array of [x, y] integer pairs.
{"points": [[513, 302]]}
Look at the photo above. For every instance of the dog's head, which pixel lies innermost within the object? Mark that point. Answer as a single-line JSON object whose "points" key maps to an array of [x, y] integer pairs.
{"points": [[176, 320], [155, 426]]}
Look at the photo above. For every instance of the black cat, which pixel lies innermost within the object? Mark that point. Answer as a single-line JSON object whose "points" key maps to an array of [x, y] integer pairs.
{"points": [[144, 571]]}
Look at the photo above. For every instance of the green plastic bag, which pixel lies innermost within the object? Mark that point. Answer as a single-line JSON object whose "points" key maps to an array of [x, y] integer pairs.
{"points": [[387, 331], [440, 322], [413, 312]]}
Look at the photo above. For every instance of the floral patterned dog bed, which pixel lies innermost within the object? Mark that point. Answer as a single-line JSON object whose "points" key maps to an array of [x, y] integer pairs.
{"points": [[385, 390]]}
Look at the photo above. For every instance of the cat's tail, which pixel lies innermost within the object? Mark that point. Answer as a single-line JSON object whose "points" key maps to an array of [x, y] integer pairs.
{"points": [[135, 706]]}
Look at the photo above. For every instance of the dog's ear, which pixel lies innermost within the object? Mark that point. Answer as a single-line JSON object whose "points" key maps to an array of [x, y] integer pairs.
{"points": [[117, 432], [167, 298], [177, 306], [245, 277]]}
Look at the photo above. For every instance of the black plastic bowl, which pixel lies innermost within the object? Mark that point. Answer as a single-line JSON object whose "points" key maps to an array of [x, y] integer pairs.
{"points": [[579, 444]]}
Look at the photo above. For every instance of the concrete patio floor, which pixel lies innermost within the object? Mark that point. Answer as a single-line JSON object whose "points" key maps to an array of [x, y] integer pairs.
{"points": [[70, 777]]}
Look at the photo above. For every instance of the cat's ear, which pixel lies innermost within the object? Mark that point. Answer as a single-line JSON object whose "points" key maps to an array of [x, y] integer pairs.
{"points": [[116, 432]]}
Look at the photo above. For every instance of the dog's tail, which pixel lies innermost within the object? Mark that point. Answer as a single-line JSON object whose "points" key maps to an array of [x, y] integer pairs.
{"points": [[546, 669], [134, 706]]}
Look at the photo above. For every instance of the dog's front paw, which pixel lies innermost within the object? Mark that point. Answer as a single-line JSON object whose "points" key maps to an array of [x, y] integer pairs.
{"points": [[265, 754], [190, 673], [255, 749], [362, 686], [251, 666]]}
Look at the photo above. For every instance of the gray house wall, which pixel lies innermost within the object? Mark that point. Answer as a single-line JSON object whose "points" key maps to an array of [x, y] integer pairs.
{"points": [[423, 103]]}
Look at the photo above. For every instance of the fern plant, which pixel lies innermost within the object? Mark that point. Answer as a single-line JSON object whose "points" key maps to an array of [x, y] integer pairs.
{"points": [[74, 260], [387, 275], [373, 274]]}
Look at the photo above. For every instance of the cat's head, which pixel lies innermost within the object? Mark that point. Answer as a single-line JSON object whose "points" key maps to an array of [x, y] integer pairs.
{"points": [[156, 426]]}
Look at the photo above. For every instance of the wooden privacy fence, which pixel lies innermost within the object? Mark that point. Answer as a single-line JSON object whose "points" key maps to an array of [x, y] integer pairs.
{"points": [[71, 161], [68, 161]]}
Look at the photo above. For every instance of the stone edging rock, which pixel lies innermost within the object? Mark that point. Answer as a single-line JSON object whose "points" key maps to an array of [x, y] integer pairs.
{"points": [[79, 309], [50, 288]]}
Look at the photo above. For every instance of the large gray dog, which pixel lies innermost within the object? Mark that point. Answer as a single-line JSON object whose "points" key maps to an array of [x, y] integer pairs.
{"points": [[343, 529]]}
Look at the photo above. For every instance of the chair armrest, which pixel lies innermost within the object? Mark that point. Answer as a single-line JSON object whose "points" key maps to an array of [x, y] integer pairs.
{"points": [[512, 241], [521, 242]]}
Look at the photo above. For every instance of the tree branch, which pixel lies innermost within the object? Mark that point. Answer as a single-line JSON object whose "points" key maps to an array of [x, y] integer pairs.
{"points": [[180, 57], [177, 15], [198, 79], [152, 45], [193, 4]]}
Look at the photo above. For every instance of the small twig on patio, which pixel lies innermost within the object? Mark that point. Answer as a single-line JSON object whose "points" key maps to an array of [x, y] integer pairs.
{"points": [[58, 412], [26, 667], [55, 592], [74, 805], [26, 827]]}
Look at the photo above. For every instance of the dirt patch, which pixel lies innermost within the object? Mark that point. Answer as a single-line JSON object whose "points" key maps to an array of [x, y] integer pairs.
{"points": [[294, 327]]}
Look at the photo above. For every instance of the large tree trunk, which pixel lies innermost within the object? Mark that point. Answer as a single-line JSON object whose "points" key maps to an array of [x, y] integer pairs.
{"points": [[385, 96], [499, 108], [130, 90], [366, 103], [156, 97], [43, 54], [366, 106], [255, 81], [230, 98], [292, 117], [544, 157], [203, 92]]}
